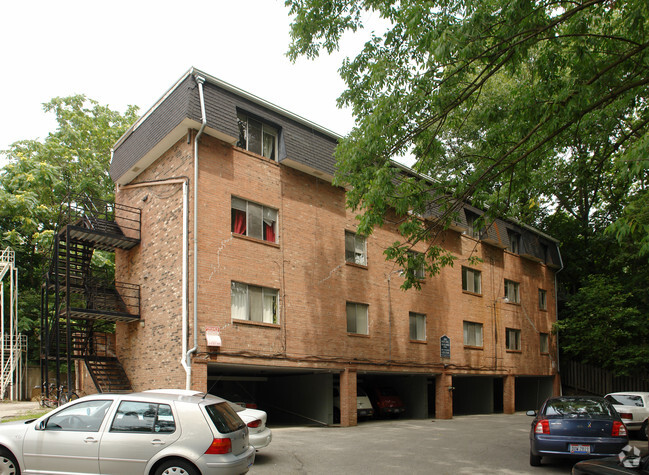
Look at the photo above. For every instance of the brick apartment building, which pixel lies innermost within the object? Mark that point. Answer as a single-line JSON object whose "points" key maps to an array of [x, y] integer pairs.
{"points": [[255, 284]]}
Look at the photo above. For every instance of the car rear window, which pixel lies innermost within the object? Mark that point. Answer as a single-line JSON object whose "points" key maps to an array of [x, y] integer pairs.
{"points": [[578, 407], [224, 418], [625, 400]]}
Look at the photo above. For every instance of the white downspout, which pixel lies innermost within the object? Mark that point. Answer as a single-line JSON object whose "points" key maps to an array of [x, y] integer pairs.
{"points": [[188, 366]]}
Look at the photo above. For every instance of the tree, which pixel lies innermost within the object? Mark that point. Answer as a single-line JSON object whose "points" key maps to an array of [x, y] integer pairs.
{"points": [[73, 160], [510, 104], [533, 110]]}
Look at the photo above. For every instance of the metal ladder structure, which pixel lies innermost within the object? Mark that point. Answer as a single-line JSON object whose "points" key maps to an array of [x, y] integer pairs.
{"points": [[78, 300], [13, 357]]}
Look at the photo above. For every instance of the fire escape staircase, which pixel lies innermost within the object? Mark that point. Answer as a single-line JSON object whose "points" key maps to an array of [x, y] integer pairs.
{"points": [[80, 302]]}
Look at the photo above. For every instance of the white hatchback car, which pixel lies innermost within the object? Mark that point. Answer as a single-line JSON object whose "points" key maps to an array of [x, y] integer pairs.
{"points": [[259, 435], [135, 433], [633, 407]]}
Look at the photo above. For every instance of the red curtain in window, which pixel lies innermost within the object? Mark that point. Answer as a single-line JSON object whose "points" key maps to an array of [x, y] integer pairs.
{"points": [[269, 232], [238, 221]]}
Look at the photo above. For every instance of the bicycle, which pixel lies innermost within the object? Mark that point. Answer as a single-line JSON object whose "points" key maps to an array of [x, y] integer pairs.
{"points": [[57, 397]]}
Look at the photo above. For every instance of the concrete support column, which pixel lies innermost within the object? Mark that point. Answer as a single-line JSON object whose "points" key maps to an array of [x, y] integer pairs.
{"points": [[444, 396], [348, 415], [509, 394]]}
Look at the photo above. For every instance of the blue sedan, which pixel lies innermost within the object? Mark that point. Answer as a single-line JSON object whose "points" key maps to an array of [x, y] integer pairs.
{"points": [[578, 427]]}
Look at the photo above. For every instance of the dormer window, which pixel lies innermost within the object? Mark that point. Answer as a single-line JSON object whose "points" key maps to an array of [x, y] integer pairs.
{"points": [[514, 241], [473, 222], [257, 137]]}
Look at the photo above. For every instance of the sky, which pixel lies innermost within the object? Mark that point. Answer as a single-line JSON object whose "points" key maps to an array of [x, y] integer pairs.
{"points": [[131, 52]]}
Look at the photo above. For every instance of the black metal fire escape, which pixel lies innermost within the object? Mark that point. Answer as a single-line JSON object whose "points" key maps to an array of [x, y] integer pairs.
{"points": [[79, 302]]}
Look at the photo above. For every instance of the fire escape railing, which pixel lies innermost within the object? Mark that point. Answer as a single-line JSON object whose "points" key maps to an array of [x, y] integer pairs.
{"points": [[75, 296]]}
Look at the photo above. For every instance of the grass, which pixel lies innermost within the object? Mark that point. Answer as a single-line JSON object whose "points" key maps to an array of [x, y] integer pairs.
{"points": [[27, 415]]}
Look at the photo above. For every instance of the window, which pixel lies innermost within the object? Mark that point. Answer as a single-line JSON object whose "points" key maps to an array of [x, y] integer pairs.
{"points": [[543, 299], [544, 342], [417, 326], [225, 419], [257, 137], [253, 220], [544, 252], [471, 280], [473, 221], [472, 334], [256, 304], [513, 339], [355, 250], [357, 318], [137, 416], [512, 292], [514, 241], [420, 271], [83, 417]]}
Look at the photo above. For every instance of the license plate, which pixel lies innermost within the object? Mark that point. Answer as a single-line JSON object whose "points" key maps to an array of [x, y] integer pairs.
{"points": [[579, 449]]}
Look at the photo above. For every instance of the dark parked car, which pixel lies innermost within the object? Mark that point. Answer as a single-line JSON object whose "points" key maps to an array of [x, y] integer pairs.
{"points": [[386, 401], [610, 466], [576, 427], [628, 461]]}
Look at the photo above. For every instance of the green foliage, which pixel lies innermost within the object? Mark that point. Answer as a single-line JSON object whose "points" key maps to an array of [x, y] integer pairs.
{"points": [[39, 175], [537, 111], [604, 318], [514, 105]]}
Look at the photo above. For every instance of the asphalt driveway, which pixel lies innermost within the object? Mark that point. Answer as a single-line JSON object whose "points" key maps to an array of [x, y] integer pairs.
{"points": [[485, 444]]}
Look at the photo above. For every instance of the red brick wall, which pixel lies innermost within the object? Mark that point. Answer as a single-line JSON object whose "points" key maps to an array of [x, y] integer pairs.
{"points": [[308, 267]]}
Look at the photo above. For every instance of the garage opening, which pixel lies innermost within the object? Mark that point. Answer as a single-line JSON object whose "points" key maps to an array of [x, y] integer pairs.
{"points": [[289, 396], [477, 395], [531, 391]]}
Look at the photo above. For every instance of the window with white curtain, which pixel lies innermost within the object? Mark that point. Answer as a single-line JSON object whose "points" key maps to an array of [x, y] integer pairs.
{"points": [[357, 318], [253, 303], [513, 339], [355, 248], [257, 137], [472, 334], [417, 326], [471, 280], [512, 291]]}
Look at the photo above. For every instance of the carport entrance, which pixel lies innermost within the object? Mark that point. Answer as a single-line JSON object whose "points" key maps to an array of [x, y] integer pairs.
{"points": [[289, 396], [477, 395], [531, 391]]}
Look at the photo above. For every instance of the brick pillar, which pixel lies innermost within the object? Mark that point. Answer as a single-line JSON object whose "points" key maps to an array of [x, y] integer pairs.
{"points": [[443, 396], [348, 415], [199, 377], [509, 394], [556, 385]]}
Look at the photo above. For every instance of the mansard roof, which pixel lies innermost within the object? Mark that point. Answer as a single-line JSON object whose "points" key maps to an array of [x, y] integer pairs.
{"points": [[303, 145]]}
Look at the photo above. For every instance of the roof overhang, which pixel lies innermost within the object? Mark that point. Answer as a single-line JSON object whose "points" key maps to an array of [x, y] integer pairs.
{"points": [[165, 144]]}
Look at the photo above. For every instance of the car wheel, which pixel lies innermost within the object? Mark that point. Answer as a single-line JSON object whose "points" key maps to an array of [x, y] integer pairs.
{"points": [[8, 464], [176, 467], [643, 431], [535, 460]]}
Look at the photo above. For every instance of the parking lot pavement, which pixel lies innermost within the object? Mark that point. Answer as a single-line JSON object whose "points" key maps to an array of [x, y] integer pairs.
{"points": [[485, 444]]}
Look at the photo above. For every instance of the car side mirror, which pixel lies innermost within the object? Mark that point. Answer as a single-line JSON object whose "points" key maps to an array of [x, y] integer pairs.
{"points": [[41, 425], [531, 413]]}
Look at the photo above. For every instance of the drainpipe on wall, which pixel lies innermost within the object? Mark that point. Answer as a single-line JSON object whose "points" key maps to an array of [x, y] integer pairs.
{"points": [[556, 312], [187, 364]]}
